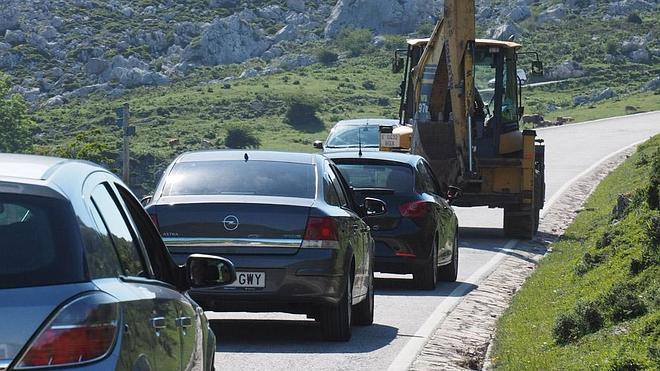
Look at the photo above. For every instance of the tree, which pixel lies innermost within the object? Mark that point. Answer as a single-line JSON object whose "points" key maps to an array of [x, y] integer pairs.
{"points": [[355, 41], [15, 123]]}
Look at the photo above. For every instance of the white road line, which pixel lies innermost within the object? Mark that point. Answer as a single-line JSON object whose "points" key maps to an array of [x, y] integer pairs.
{"points": [[597, 121], [409, 353], [562, 190]]}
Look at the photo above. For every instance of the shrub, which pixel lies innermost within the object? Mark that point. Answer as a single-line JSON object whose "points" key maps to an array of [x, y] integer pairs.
{"points": [[354, 41], [369, 85], [589, 261], [326, 57], [239, 138], [566, 328], [425, 29], [634, 18], [622, 302], [301, 113], [612, 47], [589, 317]]}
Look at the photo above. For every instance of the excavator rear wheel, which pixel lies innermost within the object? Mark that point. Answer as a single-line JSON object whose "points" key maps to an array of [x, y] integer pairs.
{"points": [[521, 221]]}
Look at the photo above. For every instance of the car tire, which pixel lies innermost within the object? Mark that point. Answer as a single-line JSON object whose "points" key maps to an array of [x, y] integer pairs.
{"points": [[363, 312], [427, 277], [449, 272], [336, 318]]}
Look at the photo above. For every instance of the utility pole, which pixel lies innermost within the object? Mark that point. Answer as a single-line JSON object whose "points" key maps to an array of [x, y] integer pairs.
{"points": [[126, 131], [126, 172]]}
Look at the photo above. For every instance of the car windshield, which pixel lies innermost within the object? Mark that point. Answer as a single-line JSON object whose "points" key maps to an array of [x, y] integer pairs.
{"points": [[398, 178], [351, 136], [260, 178], [39, 242]]}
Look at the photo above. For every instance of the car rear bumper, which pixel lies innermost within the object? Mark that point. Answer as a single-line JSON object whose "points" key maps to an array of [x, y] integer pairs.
{"points": [[402, 251], [293, 283]]}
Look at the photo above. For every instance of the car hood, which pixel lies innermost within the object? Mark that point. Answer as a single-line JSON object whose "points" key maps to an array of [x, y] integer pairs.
{"points": [[24, 310]]}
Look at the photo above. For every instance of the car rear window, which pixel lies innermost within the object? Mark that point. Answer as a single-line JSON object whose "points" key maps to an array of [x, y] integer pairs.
{"points": [[353, 136], [398, 178], [260, 178], [39, 242]]}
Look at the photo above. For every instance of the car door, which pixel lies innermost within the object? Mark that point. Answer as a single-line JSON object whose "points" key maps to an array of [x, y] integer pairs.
{"points": [[360, 231], [150, 312], [189, 319], [444, 211]]}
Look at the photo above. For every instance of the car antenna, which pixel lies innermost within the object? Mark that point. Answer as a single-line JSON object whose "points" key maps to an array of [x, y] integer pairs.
{"points": [[246, 157], [359, 141]]}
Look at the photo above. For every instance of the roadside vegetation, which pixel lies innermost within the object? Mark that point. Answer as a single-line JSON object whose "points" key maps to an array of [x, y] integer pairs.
{"points": [[594, 301]]}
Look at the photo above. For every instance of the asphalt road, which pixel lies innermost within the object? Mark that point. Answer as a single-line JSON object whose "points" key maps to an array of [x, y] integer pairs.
{"points": [[406, 317]]}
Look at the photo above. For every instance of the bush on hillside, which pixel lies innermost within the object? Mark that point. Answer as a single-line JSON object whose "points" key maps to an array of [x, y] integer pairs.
{"points": [[634, 18], [301, 113], [355, 41], [326, 57], [15, 124], [566, 328], [622, 302], [239, 138]]}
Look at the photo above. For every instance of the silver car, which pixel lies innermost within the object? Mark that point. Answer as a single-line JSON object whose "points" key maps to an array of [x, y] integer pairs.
{"points": [[85, 280]]}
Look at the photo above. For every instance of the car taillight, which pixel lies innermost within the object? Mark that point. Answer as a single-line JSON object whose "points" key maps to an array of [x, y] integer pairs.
{"points": [[321, 232], [415, 209], [154, 219], [82, 331]]}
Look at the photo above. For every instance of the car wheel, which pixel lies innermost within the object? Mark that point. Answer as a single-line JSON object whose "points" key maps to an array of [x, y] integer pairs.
{"points": [[336, 318], [427, 277], [449, 272], [363, 313]]}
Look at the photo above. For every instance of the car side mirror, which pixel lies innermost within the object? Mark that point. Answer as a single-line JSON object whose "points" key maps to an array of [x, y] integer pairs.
{"points": [[397, 64], [454, 193], [318, 144], [146, 199], [207, 271], [537, 68], [374, 207]]}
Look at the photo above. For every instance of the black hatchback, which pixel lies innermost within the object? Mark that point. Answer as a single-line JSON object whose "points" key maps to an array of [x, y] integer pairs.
{"points": [[287, 222], [419, 232]]}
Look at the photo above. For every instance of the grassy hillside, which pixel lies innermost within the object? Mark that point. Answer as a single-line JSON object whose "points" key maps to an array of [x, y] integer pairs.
{"points": [[594, 301], [198, 110]]}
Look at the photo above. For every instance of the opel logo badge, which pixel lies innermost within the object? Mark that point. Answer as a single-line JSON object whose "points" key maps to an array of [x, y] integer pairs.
{"points": [[230, 223]]}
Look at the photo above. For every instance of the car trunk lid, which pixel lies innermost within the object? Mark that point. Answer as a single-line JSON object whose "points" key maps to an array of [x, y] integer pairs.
{"points": [[232, 224]]}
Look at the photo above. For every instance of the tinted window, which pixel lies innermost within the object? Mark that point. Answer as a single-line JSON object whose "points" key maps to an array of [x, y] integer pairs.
{"points": [[425, 180], [100, 254], [115, 222], [261, 178], [351, 136], [39, 242], [398, 178], [331, 196]]}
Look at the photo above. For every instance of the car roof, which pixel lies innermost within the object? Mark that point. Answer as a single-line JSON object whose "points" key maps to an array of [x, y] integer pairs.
{"points": [[217, 155], [28, 166], [367, 121], [404, 158]]}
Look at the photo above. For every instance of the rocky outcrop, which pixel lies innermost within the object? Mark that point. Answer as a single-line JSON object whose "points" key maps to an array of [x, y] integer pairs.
{"points": [[566, 70], [227, 40], [625, 7], [505, 32], [553, 14], [608, 93], [381, 16]]}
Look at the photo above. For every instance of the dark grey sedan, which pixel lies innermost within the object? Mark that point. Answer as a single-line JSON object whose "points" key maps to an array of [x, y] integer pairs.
{"points": [[287, 222], [85, 280]]}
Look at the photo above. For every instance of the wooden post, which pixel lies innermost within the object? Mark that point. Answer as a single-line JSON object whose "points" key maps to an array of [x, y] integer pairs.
{"points": [[126, 172]]}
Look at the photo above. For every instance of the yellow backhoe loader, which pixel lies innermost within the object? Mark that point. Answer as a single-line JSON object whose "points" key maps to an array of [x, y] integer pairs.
{"points": [[462, 97]]}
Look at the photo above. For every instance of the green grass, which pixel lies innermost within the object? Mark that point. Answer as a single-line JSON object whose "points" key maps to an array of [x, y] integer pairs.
{"points": [[629, 264]]}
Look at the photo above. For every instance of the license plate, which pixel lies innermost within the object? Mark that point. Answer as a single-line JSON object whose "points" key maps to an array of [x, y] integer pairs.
{"points": [[390, 140], [249, 279]]}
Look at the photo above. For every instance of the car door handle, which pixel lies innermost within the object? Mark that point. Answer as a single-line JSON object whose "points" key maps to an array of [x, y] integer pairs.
{"points": [[184, 322], [158, 323], [356, 228]]}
